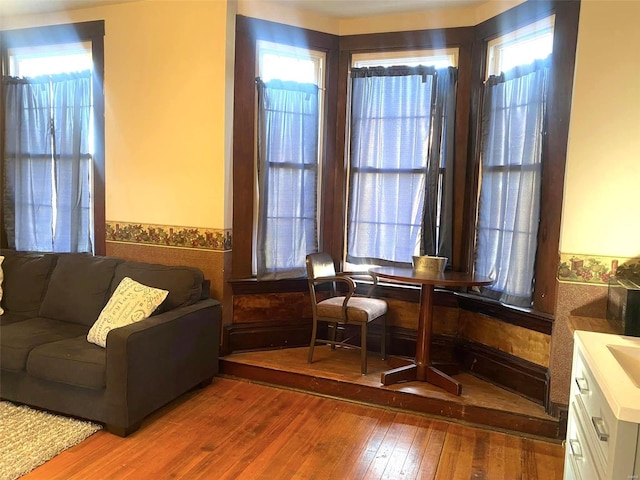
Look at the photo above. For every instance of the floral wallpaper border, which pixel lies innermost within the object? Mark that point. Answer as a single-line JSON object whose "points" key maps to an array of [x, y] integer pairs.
{"points": [[595, 269], [169, 236]]}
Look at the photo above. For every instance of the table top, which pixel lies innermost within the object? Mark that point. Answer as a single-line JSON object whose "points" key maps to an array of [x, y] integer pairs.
{"points": [[448, 278]]}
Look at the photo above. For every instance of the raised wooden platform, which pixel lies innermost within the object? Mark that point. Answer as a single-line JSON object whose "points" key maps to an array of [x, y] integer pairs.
{"points": [[337, 374]]}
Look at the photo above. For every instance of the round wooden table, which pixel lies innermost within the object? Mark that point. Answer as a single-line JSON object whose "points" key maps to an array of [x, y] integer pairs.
{"points": [[422, 369]]}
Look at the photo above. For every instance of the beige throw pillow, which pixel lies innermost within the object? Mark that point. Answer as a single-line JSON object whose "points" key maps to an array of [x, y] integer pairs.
{"points": [[1, 280], [130, 303]]}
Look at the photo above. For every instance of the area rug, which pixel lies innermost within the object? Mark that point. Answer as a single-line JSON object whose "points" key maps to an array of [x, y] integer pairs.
{"points": [[30, 437]]}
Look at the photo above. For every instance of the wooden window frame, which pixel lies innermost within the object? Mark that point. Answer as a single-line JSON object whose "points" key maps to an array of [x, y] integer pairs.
{"points": [[92, 31], [555, 139], [248, 32]]}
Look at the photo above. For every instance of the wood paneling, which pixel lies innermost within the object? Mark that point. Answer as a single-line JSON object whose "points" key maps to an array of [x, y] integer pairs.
{"points": [[239, 430], [520, 342], [273, 306], [509, 355]]}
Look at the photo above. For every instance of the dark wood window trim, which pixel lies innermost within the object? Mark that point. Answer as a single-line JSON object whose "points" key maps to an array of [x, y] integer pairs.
{"points": [[248, 32], [55, 34]]}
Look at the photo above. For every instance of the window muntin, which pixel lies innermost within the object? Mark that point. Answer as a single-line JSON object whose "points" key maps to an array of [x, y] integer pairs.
{"points": [[288, 167]]}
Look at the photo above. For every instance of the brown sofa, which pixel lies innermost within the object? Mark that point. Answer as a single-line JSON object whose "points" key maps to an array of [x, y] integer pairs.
{"points": [[50, 302]]}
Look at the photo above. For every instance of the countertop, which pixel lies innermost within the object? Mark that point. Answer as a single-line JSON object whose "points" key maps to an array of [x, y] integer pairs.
{"points": [[622, 395]]}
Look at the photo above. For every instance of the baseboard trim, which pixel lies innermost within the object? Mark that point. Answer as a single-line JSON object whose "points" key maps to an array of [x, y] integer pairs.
{"points": [[265, 335], [512, 373]]}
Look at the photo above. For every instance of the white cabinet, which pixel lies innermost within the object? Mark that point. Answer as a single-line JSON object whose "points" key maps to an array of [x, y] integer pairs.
{"points": [[602, 431]]}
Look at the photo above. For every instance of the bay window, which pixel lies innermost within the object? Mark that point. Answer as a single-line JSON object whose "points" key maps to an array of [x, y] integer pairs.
{"points": [[410, 156]]}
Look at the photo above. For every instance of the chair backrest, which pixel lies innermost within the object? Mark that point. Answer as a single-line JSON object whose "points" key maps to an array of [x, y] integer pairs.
{"points": [[320, 265]]}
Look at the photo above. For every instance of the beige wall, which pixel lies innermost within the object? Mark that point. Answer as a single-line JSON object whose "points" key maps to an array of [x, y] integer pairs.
{"points": [[168, 93], [600, 208]]}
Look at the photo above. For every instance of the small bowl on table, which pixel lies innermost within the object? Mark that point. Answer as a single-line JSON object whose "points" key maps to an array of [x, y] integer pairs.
{"points": [[429, 263]]}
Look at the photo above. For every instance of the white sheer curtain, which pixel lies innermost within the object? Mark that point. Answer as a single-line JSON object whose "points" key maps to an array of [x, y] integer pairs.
{"points": [[511, 154], [47, 174], [401, 146], [287, 178]]}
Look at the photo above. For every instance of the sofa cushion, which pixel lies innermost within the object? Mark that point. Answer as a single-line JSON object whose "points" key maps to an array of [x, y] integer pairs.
{"points": [[183, 283], [18, 339], [78, 288], [130, 303], [25, 281], [72, 361]]}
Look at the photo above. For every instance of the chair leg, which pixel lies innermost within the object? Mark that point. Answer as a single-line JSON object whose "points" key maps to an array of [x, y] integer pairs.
{"points": [[383, 340], [363, 349], [333, 331], [314, 332]]}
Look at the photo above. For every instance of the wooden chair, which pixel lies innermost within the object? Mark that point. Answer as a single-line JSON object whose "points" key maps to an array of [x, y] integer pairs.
{"points": [[341, 309]]}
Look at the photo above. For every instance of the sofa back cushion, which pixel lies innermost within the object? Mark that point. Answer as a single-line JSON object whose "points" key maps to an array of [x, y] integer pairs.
{"points": [[26, 276], [183, 283], [79, 288]]}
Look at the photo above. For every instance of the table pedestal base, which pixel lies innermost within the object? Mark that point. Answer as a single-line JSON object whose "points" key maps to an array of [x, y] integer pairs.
{"points": [[430, 374]]}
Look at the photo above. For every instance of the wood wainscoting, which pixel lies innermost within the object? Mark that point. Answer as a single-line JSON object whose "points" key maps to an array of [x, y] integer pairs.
{"points": [[507, 348]]}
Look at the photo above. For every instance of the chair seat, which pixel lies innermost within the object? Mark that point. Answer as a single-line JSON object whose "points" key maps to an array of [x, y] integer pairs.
{"points": [[359, 309]]}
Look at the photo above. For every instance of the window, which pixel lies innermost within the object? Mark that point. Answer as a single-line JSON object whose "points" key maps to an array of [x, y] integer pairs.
{"points": [[47, 151], [290, 97], [513, 123], [53, 148], [400, 148]]}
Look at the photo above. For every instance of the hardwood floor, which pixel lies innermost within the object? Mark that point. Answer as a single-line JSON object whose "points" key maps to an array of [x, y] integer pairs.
{"points": [[235, 429]]}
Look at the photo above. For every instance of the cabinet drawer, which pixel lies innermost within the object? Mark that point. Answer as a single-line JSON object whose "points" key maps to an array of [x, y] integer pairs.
{"points": [[600, 423], [579, 459]]}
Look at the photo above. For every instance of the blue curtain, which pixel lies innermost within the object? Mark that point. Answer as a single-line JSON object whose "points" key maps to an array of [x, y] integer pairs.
{"points": [[287, 178], [401, 147], [47, 174], [513, 115]]}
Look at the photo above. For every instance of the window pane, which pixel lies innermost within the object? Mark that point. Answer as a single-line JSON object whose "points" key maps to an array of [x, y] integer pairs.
{"points": [[396, 166], [288, 164], [508, 210], [520, 47]]}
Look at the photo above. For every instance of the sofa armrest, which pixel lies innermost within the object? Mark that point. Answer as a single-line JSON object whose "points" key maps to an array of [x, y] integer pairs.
{"points": [[151, 362]]}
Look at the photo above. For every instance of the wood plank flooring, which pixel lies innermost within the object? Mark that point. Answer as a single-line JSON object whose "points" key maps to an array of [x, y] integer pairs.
{"points": [[235, 429], [337, 373]]}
